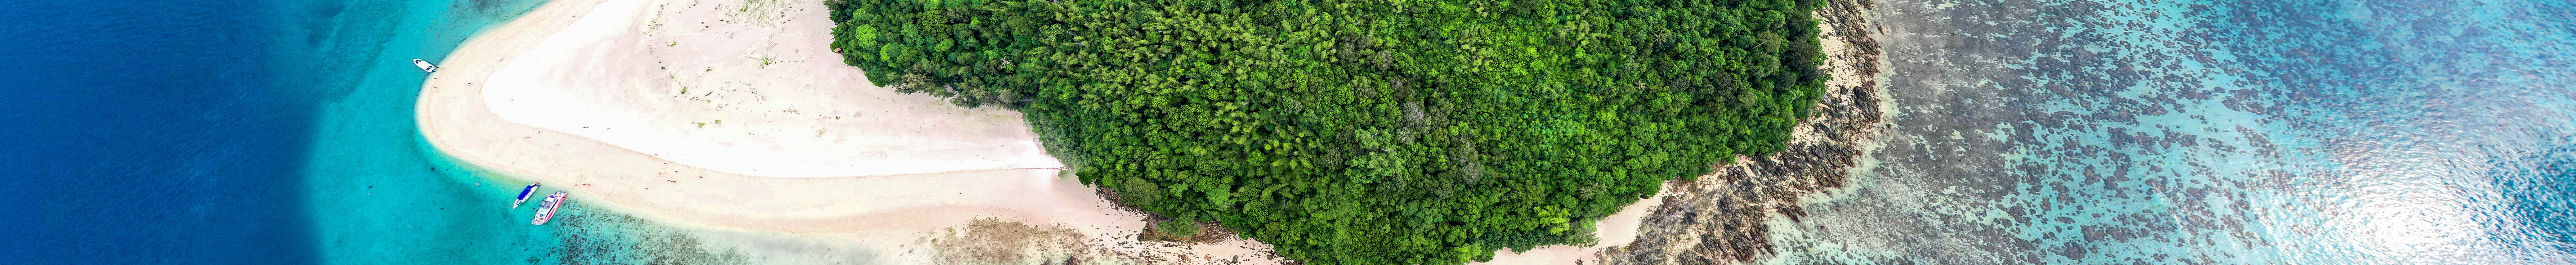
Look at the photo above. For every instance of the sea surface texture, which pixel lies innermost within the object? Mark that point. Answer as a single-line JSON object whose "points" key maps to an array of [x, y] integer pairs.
{"points": [[143, 133], [262, 132], [2225, 131]]}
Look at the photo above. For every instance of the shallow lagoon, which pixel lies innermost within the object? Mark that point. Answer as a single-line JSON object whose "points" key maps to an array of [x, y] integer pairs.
{"points": [[2326, 132], [379, 194]]}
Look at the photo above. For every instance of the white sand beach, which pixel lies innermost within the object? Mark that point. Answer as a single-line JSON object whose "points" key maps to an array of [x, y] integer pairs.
{"points": [[735, 116], [772, 134], [661, 78]]}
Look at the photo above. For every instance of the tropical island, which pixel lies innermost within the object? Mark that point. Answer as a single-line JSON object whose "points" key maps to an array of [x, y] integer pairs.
{"points": [[1367, 132], [1222, 132], [1265, 132]]}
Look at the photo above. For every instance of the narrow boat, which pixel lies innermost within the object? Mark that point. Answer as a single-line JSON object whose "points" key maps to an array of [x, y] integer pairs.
{"points": [[424, 65], [523, 195], [546, 210]]}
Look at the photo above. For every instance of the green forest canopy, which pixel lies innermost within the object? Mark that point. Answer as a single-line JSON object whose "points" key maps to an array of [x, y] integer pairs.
{"points": [[1367, 131]]}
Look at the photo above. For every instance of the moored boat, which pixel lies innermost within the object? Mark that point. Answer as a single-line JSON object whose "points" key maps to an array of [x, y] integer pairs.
{"points": [[424, 65], [546, 210], [523, 195]]}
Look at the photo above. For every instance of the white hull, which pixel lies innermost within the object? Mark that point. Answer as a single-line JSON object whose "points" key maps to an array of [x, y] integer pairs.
{"points": [[546, 210], [424, 65]]}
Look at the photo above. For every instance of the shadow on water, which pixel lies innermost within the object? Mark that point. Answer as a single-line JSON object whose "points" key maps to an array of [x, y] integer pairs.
{"points": [[149, 132]]}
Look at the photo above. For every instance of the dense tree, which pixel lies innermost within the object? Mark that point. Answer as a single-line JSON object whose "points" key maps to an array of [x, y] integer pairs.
{"points": [[1366, 131]]}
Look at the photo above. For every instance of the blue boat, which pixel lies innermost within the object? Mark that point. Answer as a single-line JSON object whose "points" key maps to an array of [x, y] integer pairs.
{"points": [[523, 195]]}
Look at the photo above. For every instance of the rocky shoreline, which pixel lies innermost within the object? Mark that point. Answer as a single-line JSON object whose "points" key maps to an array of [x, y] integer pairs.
{"points": [[1723, 217]]}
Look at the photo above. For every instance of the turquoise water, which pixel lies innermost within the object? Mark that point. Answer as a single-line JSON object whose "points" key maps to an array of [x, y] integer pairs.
{"points": [[378, 194], [269, 132], [379, 197], [256, 132], [2215, 131], [383, 195]]}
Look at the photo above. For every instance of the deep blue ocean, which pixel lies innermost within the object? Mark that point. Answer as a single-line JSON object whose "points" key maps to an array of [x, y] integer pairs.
{"points": [[142, 134], [2022, 131], [254, 132]]}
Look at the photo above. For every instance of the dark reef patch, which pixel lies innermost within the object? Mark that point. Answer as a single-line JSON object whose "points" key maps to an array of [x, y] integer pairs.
{"points": [[602, 237], [1721, 218]]}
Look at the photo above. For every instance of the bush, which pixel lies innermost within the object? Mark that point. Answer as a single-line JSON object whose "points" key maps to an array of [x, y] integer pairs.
{"points": [[1171, 230]]}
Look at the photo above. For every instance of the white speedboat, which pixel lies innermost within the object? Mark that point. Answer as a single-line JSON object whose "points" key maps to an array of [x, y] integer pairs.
{"points": [[546, 210], [424, 65]]}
